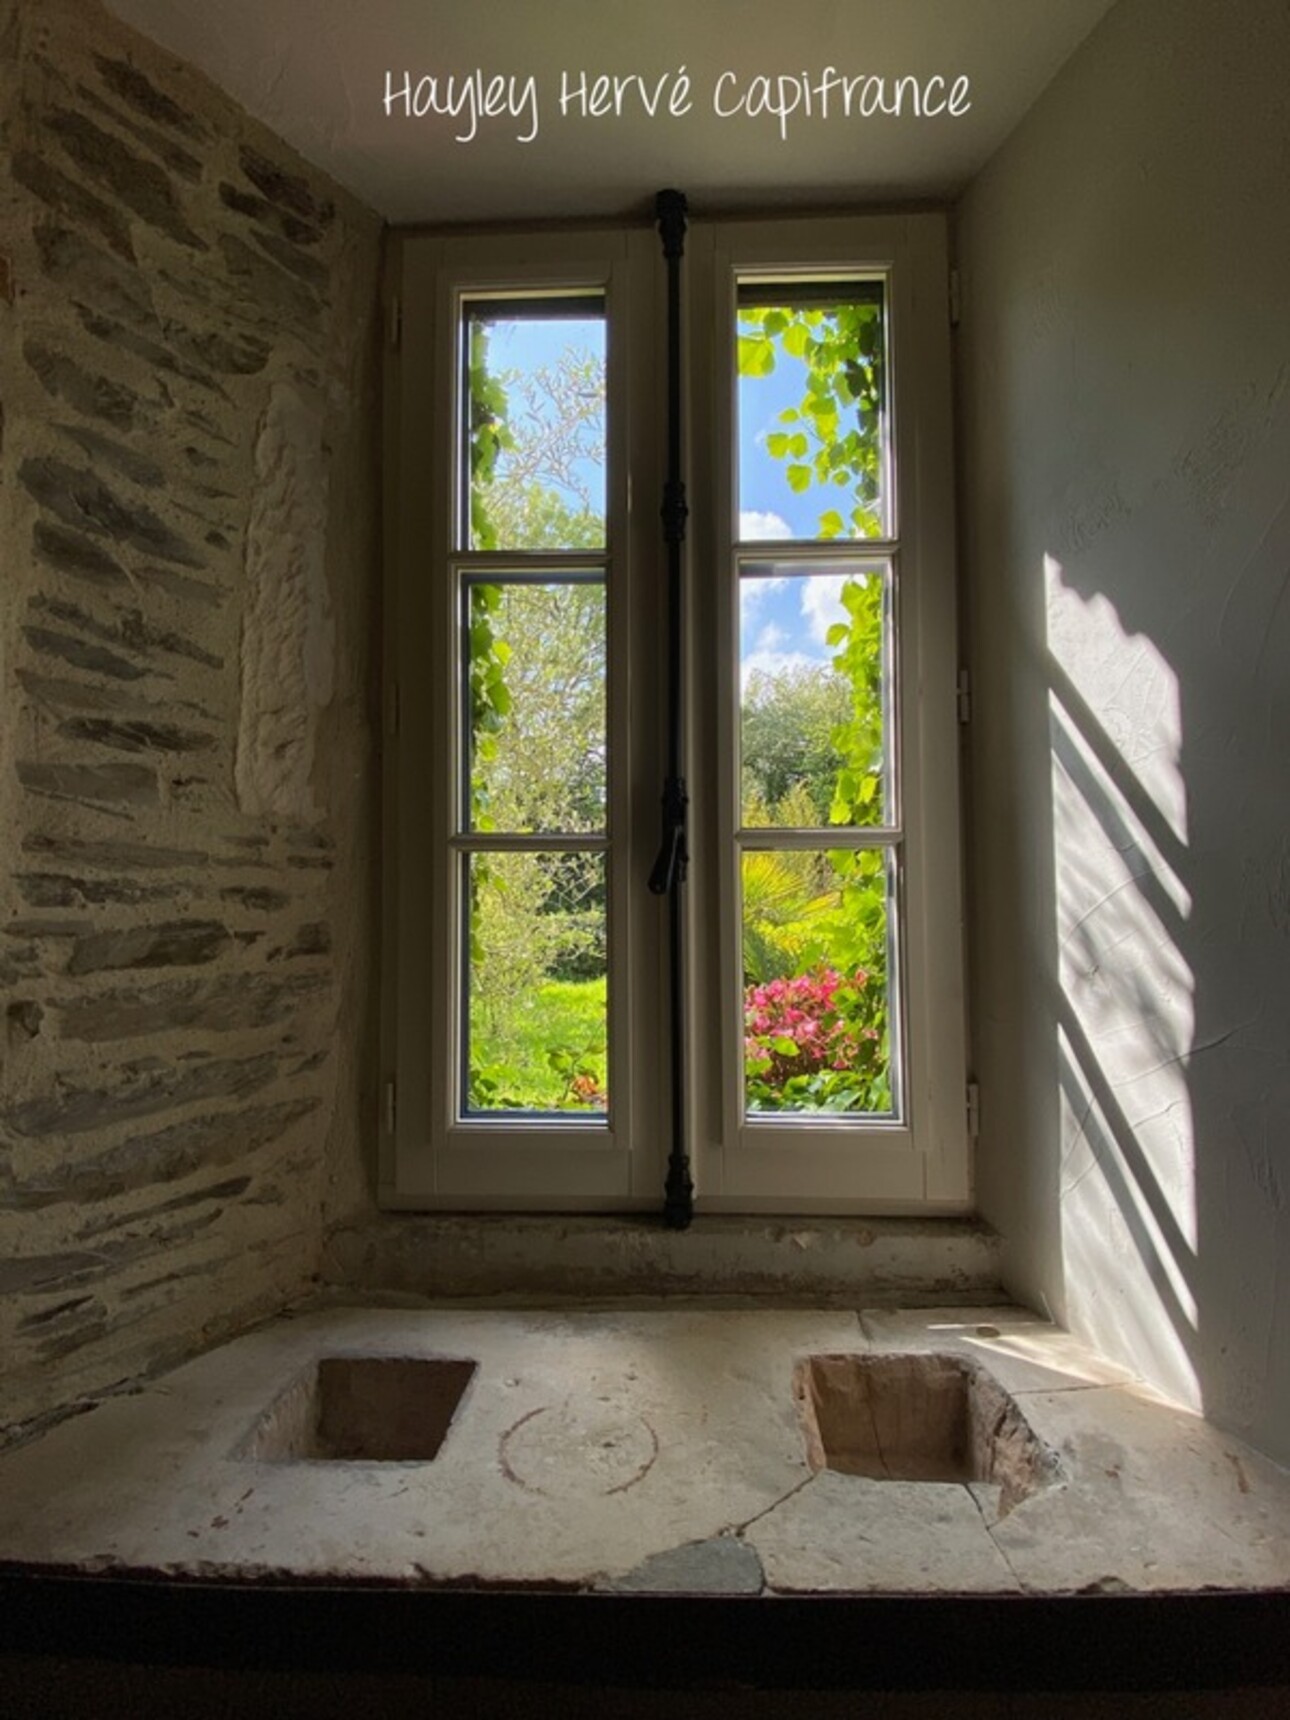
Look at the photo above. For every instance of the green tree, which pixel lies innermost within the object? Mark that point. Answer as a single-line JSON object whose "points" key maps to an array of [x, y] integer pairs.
{"points": [[542, 492], [789, 718]]}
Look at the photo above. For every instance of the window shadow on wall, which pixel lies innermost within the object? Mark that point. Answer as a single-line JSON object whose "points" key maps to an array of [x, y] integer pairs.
{"points": [[1169, 921]]}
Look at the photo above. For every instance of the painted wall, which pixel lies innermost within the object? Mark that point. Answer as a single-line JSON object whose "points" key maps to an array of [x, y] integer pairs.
{"points": [[188, 508], [1125, 439]]}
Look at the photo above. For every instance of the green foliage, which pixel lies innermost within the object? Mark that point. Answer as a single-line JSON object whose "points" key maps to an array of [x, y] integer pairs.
{"points": [[488, 434], [785, 891], [537, 921], [544, 1052], [858, 740], [788, 721], [490, 699], [836, 429], [552, 436], [539, 750], [531, 515]]}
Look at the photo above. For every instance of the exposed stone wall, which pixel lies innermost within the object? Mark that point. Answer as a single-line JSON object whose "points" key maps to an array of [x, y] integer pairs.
{"points": [[187, 596]]}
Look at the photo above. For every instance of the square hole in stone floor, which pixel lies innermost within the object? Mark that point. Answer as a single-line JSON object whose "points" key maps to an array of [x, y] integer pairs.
{"points": [[363, 1409], [917, 1418]]}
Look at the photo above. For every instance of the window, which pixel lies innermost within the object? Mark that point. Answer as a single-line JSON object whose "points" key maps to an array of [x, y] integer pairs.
{"points": [[525, 1028]]}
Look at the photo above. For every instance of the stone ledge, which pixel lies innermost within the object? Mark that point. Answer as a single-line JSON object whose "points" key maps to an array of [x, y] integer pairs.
{"points": [[895, 1261]]}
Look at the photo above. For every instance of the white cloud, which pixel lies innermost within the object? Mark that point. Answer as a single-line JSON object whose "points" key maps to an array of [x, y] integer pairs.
{"points": [[752, 594], [822, 603], [773, 663], [754, 526]]}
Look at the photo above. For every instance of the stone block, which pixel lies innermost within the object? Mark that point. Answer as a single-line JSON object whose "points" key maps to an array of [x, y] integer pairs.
{"points": [[99, 281], [20, 1274], [114, 856], [79, 497], [260, 898], [140, 469], [50, 642], [129, 629], [157, 357], [61, 890], [237, 353], [134, 736], [65, 197], [261, 210], [264, 285], [94, 396], [133, 86], [92, 784], [287, 190], [178, 943], [223, 1005], [78, 556], [142, 186], [170, 154], [139, 1090], [165, 1156]]}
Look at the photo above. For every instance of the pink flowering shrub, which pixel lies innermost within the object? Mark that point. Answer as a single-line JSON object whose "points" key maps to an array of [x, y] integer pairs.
{"points": [[816, 1041]]}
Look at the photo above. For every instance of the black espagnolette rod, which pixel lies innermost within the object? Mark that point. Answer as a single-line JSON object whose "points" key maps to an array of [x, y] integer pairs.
{"points": [[669, 869]]}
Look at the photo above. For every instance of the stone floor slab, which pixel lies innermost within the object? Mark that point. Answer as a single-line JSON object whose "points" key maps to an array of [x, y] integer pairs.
{"points": [[1023, 1352], [654, 1450], [847, 1533], [723, 1566]]}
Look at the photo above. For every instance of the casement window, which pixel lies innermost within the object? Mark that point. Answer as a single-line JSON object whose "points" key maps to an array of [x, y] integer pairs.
{"points": [[526, 1026]]}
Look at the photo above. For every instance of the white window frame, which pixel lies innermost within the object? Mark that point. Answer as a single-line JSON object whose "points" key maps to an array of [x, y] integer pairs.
{"points": [[432, 1159], [920, 1163]]}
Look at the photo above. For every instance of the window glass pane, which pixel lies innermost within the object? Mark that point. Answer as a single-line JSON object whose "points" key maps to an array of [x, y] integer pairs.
{"points": [[533, 440], [819, 1028], [536, 1018], [812, 411], [814, 650], [535, 688]]}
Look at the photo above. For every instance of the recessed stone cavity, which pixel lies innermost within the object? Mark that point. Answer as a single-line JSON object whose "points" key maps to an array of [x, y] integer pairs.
{"points": [[363, 1409], [918, 1418]]}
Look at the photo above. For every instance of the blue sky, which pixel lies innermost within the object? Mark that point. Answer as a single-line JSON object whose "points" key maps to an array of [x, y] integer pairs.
{"points": [[783, 621]]}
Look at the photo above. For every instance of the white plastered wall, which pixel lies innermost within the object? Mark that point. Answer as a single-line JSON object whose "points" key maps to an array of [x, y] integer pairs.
{"points": [[1124, 390]]}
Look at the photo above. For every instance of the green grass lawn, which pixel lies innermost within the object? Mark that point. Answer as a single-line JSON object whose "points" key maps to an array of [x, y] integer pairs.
{"points": [[565, 1017]]}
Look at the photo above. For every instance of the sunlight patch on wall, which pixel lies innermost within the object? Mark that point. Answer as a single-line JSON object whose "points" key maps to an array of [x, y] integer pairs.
{"points": [[1126, 1005]]}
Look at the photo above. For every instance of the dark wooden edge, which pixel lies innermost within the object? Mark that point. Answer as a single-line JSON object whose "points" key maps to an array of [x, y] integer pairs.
{"points": [[1081, 1642]]}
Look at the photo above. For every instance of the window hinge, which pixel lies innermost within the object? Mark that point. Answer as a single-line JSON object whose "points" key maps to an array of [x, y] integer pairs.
{"points": [[391, 1107], [394, 322], [392, 714], [956, 298], [964, 692], [973, 1110]]}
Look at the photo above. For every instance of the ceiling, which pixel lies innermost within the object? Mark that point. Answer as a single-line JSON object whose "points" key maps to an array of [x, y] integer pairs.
{"points": [[316, 73]]}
